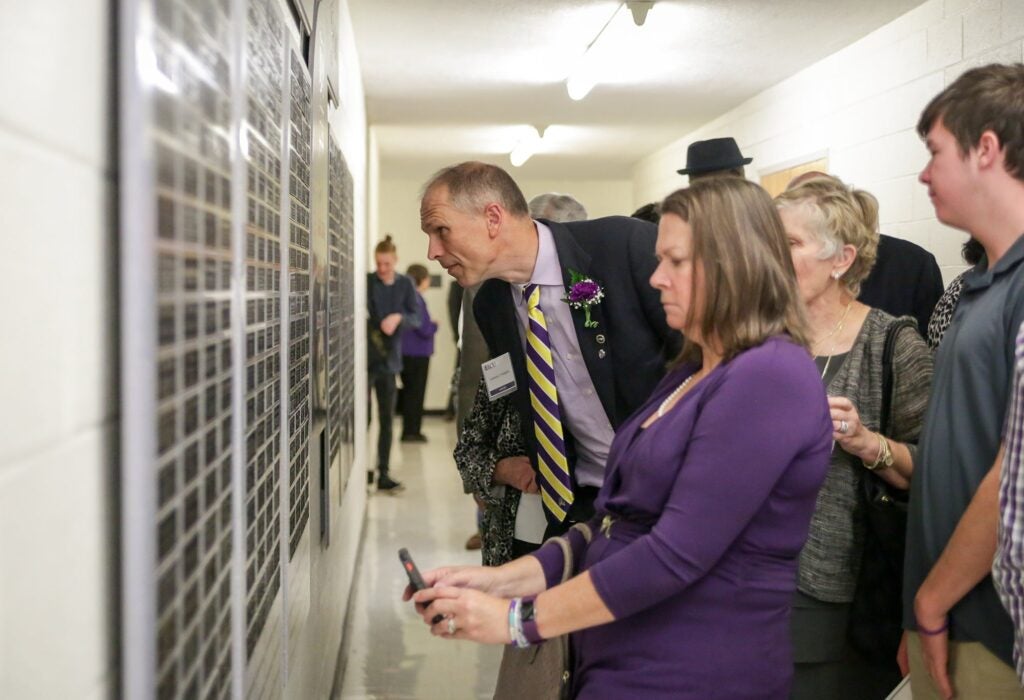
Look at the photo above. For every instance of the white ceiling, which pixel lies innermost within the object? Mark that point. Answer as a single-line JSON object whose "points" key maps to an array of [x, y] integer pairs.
{"points": [[449, 80]]}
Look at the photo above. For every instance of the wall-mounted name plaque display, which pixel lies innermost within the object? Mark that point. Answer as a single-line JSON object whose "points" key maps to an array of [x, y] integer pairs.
{"points": [[219, 221], [178, 376]]}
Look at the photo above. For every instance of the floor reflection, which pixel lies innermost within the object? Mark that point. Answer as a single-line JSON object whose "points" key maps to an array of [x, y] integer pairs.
{"points": [[390, 652]]}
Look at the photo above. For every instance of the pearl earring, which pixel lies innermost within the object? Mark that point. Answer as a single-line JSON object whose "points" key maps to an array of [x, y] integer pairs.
{"points": [[836, 274]]}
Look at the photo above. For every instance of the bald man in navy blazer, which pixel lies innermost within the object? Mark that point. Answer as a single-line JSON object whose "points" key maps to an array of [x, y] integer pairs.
{"points": [[480, 230]]}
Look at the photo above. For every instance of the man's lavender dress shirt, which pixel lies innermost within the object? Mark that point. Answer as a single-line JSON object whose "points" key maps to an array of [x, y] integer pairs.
{"points": [[582, 411]]}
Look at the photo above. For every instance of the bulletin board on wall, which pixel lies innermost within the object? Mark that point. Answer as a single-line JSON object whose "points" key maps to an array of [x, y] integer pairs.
{"points": [[775, 182], [216, 152]]}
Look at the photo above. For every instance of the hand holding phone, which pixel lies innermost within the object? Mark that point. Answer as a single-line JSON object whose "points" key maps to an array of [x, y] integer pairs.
{"points": [[415, 577]]}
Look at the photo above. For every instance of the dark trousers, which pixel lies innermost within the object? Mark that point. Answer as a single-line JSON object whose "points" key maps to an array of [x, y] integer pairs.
{"points": [[414, 386], [826, 666], [383, 385]]}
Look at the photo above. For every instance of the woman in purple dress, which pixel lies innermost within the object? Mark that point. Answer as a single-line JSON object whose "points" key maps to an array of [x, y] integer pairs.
{"points": [[685, 589]]}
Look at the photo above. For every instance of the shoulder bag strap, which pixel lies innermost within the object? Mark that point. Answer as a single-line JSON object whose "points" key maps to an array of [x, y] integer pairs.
{"points": [[563, 542], [584, 530], [566, 558], [887, 382]]}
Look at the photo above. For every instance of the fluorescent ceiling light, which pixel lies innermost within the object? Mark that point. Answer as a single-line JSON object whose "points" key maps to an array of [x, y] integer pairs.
{"points": [[583, 78], [528, 144], [605, 51]]}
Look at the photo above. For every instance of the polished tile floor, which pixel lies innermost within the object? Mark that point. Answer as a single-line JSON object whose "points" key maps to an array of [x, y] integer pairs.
{"points": [[390, 652]]}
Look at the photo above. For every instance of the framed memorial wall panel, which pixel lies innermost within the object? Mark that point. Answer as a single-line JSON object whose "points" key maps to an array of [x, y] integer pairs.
{"points": [[218, 216]]}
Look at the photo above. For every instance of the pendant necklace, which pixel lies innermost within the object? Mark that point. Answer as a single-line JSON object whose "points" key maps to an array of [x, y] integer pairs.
{"points": [[834, 331]]}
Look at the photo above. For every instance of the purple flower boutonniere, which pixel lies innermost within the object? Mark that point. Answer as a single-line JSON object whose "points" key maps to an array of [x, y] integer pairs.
{"points": [[583, 293]]}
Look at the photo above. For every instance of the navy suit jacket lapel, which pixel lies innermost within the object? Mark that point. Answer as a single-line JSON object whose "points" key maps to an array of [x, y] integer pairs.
{"points": [[572, 256]]}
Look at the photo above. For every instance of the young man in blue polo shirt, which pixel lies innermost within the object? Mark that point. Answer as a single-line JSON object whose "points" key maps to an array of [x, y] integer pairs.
{"points": [[960, 637]]}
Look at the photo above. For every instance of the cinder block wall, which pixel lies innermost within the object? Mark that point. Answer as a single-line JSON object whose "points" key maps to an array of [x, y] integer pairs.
{"points": [[859, 107]]}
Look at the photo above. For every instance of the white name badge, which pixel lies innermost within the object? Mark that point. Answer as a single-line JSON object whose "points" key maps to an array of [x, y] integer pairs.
{"points": [[499, 377]]}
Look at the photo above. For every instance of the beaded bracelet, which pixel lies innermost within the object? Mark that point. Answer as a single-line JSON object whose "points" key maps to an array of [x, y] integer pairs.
{"points": [[512, 621], [515, 624], [931, 633]]}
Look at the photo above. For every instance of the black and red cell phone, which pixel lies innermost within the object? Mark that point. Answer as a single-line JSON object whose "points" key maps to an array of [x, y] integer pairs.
{"points": [[415, 577]]}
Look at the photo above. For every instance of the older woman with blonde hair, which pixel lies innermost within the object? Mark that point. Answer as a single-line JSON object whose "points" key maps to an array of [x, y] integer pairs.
{"points": [[685, 588], [833, 240]]}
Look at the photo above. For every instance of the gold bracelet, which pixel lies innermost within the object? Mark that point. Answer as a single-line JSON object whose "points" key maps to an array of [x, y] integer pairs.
{"points": [[884, 457]]}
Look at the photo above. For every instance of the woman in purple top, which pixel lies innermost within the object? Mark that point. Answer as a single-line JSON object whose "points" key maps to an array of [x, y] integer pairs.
{"points": [[417, 347], [685, 589]]}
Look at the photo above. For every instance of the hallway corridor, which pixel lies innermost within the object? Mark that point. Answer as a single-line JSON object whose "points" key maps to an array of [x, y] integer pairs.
{"points": [[390, 654]]}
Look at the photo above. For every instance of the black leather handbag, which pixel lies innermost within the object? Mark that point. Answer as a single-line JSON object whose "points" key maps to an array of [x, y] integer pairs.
{"points": [[876, 612]]}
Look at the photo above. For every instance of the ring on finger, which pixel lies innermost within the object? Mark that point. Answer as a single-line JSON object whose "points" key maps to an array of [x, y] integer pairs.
{"points": [[843, 426], [452, 629]]}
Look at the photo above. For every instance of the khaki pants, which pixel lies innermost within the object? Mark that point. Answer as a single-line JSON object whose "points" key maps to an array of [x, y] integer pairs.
{"points": [[975, 672]]}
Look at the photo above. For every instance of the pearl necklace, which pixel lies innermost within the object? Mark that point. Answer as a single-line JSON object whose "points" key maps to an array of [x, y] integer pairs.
{"points": [[676, 392]]}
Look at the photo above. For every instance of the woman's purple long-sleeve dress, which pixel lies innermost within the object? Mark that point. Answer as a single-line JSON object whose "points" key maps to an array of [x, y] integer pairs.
{"points": [[711, 505]]}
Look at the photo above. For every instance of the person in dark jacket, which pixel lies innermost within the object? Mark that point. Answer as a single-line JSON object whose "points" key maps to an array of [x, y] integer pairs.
{"points": [[905, 281], [391, 303], [597, 335]]}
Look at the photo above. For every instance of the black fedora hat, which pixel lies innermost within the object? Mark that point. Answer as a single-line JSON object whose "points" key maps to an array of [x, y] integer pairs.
{"points": [[711, 155]]}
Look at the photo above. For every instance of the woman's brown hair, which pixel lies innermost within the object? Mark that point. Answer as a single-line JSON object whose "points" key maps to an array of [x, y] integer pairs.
{"points": [[386, 246], [750, 291], [418, 273]]}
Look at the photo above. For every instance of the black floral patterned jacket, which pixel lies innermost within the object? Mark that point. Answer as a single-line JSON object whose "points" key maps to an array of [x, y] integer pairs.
{"points": [[491, 432]]}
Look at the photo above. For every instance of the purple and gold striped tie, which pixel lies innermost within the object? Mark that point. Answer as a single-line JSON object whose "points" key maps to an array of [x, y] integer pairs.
{"points": [[555, 485]]}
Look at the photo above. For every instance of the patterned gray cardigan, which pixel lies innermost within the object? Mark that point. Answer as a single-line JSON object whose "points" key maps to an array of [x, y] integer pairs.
{"points": [[491, 432], [830, 561]]}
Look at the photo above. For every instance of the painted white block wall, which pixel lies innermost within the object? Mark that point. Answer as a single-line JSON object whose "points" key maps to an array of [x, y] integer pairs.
{"points": [[57, 359], [860, 107], [398, 213]]}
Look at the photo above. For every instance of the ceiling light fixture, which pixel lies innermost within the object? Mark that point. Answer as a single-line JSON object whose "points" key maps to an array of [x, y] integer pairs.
{"points": [[527, 145], [639, 8], [590, 66]]}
